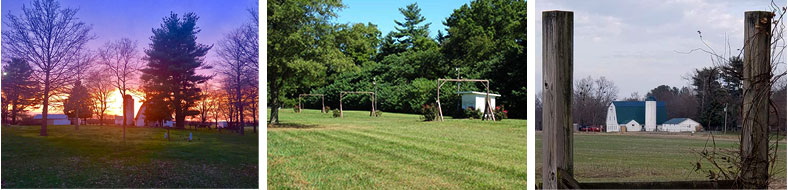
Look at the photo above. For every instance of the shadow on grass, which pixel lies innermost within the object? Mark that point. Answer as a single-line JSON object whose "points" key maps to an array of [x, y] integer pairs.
{"points": [[291, 126]]}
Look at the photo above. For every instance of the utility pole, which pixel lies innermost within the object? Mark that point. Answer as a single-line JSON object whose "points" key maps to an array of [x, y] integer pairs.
{"points": [[725, 126], [459, 102]]}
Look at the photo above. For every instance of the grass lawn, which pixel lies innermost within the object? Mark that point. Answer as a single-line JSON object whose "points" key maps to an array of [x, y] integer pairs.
{"points": [[613, 157], [96, 157], [312, 150]]}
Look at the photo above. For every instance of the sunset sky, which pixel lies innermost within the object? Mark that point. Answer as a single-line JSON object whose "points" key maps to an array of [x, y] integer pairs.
{"points": [[113, 20]]}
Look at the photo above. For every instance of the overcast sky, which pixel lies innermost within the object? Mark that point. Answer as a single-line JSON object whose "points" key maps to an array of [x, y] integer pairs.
{"points": [[635, 43]]}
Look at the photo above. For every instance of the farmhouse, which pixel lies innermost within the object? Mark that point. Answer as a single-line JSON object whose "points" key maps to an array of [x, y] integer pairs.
{"points": [[476, 99], [635, 115], [54, 119]]}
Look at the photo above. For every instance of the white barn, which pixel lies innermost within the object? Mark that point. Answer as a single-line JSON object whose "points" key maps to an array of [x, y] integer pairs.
{"points": [[54, 119], [680, 125], [635, 115], [476, 100]]}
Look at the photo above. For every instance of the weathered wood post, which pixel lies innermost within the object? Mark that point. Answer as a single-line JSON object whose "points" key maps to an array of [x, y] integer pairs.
{"points": [[557, 55], [323, 102], [299, 103], [755, 114]]}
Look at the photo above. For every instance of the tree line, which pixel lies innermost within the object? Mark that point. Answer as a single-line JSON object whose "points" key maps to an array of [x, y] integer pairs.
{"points": [[46, 61], [713, 98], [484, 39]]}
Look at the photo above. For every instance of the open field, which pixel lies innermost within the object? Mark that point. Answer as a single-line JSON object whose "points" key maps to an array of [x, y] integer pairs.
{"points": [[614, 157], [312, 150], [96, 157]]}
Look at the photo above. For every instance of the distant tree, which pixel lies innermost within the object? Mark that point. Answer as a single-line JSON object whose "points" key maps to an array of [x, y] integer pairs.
{"points": [[487, 39], [358, 41], [778, 113], [78, 104], [174, 56], [50, 38], [100, 89], [634, 96], [711, 95], [20, 90], [121, 60], [591, 99], [81, 102], [411, 32], [235, 68], [731, 74], [299, 52]]}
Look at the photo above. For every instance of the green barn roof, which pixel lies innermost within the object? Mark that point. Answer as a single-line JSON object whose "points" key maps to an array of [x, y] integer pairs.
{"points": [[636, 110]]}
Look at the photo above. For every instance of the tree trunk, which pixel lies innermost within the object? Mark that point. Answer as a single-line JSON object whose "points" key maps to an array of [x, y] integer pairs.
{"points": [[76, 114], [254, 119], [274, 111], [45, 107], [240, 105], [13, 112]]}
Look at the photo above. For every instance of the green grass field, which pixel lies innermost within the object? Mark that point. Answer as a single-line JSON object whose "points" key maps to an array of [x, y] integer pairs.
{"points": [[613, 157], [312, 150], [97, 157]]}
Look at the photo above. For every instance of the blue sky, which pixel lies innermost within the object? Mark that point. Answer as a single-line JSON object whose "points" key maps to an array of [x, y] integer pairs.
{"points": [[134, 19], [383, 13]]}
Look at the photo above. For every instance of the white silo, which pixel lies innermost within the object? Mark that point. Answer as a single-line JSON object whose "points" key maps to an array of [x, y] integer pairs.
{"points": [[651, 114]]}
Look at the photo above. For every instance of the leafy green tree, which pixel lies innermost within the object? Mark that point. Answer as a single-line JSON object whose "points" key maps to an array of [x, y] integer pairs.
{"points": [[301, 49], [78, 103], [173, 58], [20, 90], [358, 41], [487, 39]]}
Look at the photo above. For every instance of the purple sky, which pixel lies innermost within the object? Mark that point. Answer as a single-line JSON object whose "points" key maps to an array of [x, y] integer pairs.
{"points": [[134, 19]]}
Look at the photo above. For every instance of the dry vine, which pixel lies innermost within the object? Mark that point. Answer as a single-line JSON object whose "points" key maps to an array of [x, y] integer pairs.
{"points": [[726, 163]]}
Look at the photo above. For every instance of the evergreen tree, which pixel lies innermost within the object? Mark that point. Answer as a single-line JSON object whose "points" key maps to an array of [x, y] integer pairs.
{"points": [[173, 58], [20, 90], [711, 97], [78, 103]]}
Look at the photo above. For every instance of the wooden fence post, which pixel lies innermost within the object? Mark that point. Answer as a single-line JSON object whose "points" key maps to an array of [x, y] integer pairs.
{"points": [[557, 55], [323, 102], [755, 113]]}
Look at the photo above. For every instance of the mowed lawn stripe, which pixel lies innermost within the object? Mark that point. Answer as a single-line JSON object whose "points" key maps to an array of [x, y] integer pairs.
{"points": [[443, 153], [426, 162], [387, 172], [498, 152]]}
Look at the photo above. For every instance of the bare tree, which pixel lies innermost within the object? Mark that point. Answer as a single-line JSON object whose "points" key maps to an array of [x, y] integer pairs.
{"points": [[236, 66], [591, 98], [82, 65], [205, 103], [50, 38], [100, 90], [122, 60]]}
